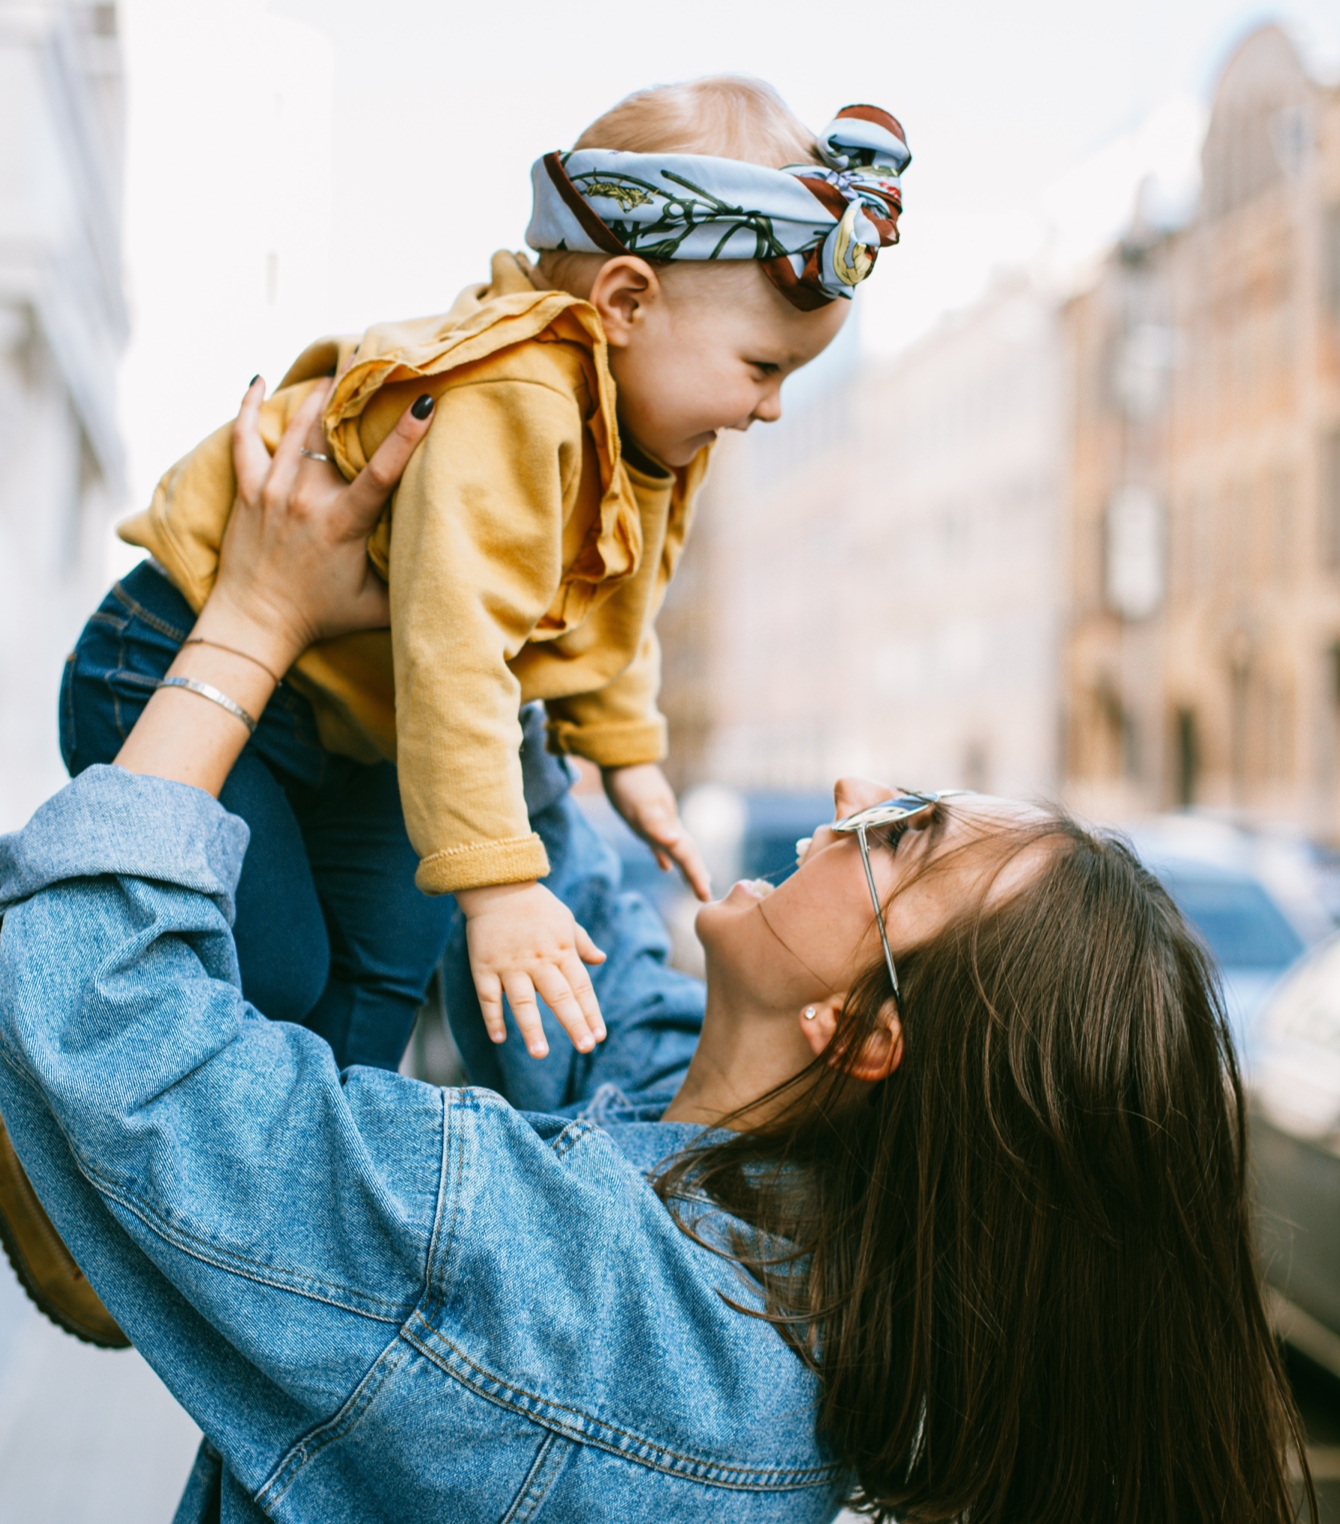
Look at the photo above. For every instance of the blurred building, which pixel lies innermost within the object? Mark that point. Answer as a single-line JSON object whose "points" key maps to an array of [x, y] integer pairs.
{"points": [[1202, 659], [62, 328], [874, 583]]}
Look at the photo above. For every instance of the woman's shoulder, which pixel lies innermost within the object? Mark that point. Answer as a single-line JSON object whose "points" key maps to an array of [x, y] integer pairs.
{"points": [[562, 1281]]}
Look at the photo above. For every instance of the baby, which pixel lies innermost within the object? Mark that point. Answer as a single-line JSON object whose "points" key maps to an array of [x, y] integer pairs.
{"points": [[683, 274]]}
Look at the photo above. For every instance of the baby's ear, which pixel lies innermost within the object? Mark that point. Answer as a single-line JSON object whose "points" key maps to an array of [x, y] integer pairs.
{"points": [[621, 293]]}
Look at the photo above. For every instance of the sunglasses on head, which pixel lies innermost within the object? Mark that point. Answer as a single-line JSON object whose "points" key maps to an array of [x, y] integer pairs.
{"points": [[895, 811]]}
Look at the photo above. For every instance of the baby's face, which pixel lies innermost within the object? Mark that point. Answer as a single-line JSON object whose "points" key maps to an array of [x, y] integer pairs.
{"points": [[710, 352]]}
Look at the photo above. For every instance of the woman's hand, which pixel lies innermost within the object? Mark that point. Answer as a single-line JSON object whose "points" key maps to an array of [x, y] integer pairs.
{"points": [[293, 568]]}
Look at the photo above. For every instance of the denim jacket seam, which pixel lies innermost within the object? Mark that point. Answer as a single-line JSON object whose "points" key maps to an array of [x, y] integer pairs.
{"points": [[574, 1423], [527, 1502], [449, 1180], [342, 1297], [138, 611], [15, 1059], [315, 1289], [574, 1133], [330, 1430]]}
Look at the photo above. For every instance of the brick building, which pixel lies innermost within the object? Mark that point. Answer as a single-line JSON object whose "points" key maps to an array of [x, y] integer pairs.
{"points": [[1202, 657]]}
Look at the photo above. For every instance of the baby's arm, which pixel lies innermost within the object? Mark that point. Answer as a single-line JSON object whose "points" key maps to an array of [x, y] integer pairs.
{"points": [[642, 795], [620, 729], [475, 562]]}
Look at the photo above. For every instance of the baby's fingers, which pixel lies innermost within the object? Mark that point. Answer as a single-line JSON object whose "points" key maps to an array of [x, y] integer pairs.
{"points": [[521, 997], [685, 852], [587, 950], [568, 993], [489, 989]]}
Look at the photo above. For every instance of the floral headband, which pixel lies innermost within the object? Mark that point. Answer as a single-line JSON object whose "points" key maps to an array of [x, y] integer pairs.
{"points": [[816, 228]]}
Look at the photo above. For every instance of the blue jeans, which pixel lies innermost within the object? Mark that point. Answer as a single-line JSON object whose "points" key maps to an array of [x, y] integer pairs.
{"points": [[330, 930]]}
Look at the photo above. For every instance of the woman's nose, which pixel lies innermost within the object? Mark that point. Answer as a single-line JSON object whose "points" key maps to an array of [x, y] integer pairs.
{"points": [[852, 793]]}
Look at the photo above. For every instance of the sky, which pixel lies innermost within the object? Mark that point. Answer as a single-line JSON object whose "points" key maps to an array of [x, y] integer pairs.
{"points": [[312, 166]]}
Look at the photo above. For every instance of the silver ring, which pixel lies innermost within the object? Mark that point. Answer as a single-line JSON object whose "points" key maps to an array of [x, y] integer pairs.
{"points": [[315, 455]]}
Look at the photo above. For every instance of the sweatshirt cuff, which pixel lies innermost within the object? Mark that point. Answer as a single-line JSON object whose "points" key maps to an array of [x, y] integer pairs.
{"points": [[624, 745], [509, 861]]}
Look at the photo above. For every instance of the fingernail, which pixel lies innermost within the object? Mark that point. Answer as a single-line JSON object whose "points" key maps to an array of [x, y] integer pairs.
{"points": [[253, 380], [423, 407]]}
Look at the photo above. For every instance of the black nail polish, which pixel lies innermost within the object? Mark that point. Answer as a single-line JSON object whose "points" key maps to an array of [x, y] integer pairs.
{"points": [[253, 380], [423, 407]]}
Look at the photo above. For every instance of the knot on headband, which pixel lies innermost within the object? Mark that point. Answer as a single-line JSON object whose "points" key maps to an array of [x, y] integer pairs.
{"points": [[816, 228]]}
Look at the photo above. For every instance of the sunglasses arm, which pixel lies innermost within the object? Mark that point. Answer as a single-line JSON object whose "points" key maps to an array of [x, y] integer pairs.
{"points": [[874, 899]]}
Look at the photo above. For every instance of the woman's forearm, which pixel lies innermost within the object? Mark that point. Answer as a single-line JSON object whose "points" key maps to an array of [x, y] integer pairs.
{"points": [[187, 737]]}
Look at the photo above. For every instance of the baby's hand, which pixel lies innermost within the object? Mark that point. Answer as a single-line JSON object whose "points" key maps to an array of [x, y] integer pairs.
{"points": [[524, 940], [646, 801]]}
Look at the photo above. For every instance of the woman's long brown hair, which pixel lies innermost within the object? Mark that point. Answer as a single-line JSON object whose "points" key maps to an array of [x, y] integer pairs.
{"points": [[1022, 1265]]}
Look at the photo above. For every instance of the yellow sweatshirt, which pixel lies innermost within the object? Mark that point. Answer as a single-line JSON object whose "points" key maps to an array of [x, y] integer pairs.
{"points": [[526, 557]]}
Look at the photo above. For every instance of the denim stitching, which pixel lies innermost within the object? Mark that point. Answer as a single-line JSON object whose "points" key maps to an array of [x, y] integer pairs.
{"points": [[336, 1427], [312, 1287], [555, 1414], [431, 1301], [196, 1248], [107, 678], [138, 611], [528, 1501]]}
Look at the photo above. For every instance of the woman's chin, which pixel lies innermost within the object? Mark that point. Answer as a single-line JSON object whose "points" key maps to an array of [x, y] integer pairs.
{"points": [[743, 896]]}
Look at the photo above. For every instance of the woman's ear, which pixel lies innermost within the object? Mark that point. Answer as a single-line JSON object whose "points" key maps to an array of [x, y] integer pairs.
{"points": [[880, 1054], [621, 293]]}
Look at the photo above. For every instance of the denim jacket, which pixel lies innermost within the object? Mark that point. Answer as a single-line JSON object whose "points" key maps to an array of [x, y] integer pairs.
{"points": [[379, 1300]]}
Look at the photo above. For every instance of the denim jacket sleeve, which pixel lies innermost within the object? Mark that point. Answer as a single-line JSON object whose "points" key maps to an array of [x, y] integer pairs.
{"points": [[259, 1225]]}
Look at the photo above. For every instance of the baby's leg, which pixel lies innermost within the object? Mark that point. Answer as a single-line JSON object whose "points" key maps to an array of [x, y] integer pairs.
{"points": [[385, 936], [127, 645]]}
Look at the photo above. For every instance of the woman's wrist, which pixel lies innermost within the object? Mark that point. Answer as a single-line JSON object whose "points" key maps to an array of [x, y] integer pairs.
{"points": [[261, 636], [187, 734]]}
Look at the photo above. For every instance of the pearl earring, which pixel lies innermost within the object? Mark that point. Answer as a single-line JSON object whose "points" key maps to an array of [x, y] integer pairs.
{"points": [[811, 1011]]}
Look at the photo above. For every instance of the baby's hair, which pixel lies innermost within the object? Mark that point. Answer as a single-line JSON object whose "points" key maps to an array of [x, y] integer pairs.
{"points": [[728, 116]]}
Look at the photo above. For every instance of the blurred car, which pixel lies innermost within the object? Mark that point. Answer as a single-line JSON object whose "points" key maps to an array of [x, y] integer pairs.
{"points": [[1254, 907], [1295, 1152]]}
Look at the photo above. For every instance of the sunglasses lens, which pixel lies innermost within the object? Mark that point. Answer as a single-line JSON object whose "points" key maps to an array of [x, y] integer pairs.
{"points": [[887, 812]]}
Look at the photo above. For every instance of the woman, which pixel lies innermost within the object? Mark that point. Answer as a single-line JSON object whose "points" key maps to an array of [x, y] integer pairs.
{"points": [[945, 1216]]}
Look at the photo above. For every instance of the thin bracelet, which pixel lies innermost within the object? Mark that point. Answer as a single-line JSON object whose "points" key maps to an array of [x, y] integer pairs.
{"points": [[213, 694], [199, 640]]}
